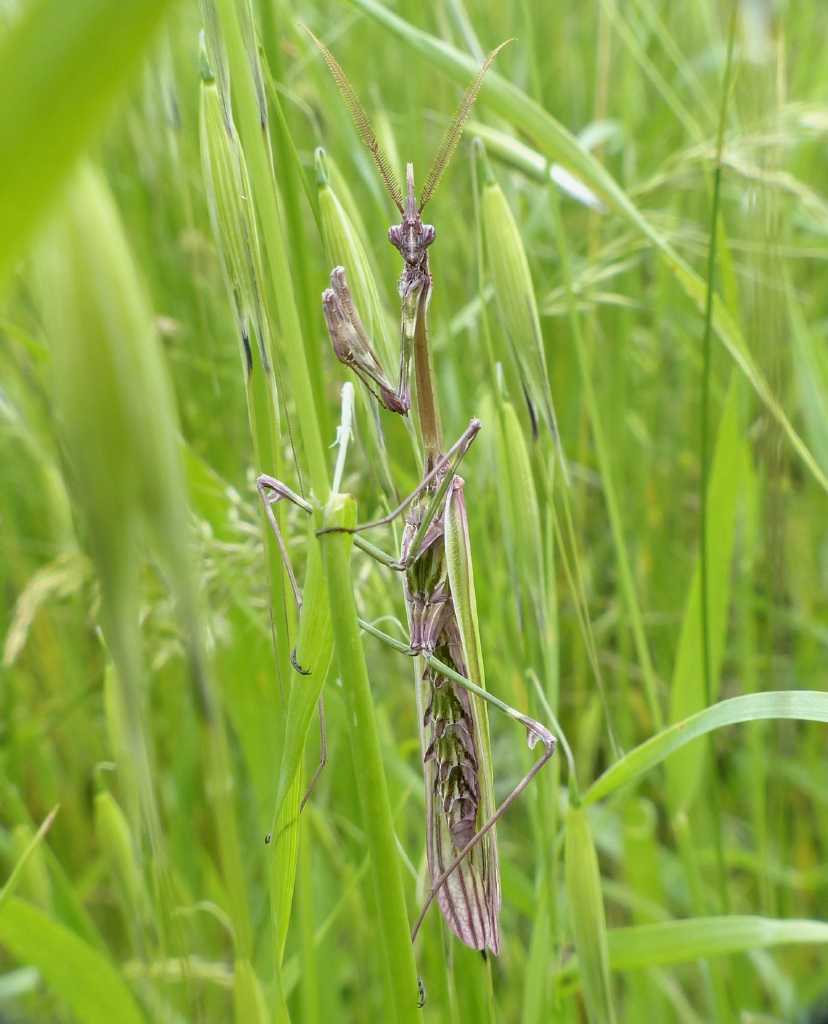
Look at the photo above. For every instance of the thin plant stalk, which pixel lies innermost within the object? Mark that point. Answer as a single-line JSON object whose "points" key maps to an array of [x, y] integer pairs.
{"points": [[704, 451], [602, 453]]}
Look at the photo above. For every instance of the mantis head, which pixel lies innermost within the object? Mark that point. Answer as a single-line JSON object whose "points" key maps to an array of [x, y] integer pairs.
{"points": [[411, 236]]}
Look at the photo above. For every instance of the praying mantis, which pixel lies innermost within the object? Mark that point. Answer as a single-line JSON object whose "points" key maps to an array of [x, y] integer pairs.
{"points": [[435, 564]]}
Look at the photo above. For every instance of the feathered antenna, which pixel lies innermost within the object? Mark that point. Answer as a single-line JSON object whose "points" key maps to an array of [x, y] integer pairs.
{"points": [[361, 122], [455, 129]]}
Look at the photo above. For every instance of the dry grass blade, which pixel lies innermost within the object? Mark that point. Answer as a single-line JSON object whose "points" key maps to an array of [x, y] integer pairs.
{"points": [[361, 122], [455, 129]]}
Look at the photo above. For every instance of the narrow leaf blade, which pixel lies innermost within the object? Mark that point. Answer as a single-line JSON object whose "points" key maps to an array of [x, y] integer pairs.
{"points": [[83, 979], [805, 705]]}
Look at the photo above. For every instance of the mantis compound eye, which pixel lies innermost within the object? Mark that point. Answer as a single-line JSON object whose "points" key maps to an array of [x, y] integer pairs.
{"points": [[395, 235], [429, 234]]}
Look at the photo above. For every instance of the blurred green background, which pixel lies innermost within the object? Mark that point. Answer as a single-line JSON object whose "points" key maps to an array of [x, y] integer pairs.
{"points": [[146, 626]]}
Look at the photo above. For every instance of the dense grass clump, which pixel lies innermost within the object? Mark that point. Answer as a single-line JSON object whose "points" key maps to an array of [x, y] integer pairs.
{"points": [[629, 294]]}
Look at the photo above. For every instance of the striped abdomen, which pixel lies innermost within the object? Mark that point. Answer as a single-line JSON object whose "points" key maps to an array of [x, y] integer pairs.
{"points": [[470, 897]]}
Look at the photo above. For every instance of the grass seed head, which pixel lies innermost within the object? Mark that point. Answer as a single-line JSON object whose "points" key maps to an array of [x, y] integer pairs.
{"points": [[228, 191], [516, 303], [116, 843], [519, 503]]}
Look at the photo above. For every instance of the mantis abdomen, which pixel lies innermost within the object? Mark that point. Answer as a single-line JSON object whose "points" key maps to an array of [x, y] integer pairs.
{"points": [[470, 898]]}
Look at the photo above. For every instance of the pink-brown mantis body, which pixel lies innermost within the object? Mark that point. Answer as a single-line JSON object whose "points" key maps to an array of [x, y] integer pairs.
{"points": [[435, 561]]}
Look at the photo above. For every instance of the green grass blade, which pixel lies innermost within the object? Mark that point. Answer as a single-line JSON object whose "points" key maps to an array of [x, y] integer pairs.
{"points": [[803, 705], [675, 942], [20, 864], [236, 30], [687, 687], [314, 652], [393, 936], [249, 1000], [83, 979], [586, 915], [62, 67]]}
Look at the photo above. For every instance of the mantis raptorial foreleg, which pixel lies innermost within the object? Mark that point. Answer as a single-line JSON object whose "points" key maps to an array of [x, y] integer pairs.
{"points": [[352, 346], [537, 733], [272, 491]]}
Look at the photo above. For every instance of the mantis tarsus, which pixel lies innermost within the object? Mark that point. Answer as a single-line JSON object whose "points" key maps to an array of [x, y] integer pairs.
{"points": [[435, 561]]}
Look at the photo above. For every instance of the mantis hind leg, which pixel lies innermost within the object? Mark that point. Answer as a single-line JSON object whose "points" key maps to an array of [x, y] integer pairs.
{"points": [[272, 491], [536, 733], [323, 756], [320, 767]]}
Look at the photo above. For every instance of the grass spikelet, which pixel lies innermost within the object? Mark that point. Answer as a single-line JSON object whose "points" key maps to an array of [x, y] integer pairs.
{"points": [[516, 303], [233, 219], [97, 329], [227, 190], [118, 847], [521, 512]]}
